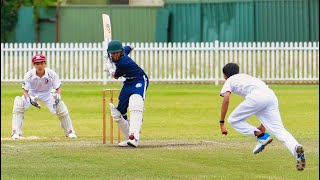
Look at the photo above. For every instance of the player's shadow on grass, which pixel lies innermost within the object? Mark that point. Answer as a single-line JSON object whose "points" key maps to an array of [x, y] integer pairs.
{"points": [[165, 145], [177, 145]]}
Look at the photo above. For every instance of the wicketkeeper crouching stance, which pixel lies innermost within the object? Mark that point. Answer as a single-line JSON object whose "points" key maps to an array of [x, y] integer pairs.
{"points": [[37, 85], [132, 94]]}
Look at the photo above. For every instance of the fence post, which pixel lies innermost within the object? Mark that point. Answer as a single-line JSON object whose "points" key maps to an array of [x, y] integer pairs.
{"points": [[216, 52]]}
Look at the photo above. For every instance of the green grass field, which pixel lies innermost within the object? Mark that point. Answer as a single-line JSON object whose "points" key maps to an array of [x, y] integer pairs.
{"points": [[180, 138]]}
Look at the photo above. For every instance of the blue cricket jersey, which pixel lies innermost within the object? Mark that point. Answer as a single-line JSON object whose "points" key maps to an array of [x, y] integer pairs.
{"points": [[126, 67], [136, 80]]}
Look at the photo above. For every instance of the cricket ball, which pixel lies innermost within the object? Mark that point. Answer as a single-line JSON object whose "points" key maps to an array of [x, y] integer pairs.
{"points": [[131, 137]]}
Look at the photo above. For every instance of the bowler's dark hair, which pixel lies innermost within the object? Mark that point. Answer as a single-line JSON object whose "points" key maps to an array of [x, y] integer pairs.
{"points": [[230, 69]]}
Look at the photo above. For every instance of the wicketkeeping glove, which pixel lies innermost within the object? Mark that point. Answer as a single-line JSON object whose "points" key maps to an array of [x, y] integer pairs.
{"points": [[33, 102], [57, 98]]}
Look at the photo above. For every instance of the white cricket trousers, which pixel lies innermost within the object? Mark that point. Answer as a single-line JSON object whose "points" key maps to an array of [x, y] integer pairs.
{"points": [[264, 104]]}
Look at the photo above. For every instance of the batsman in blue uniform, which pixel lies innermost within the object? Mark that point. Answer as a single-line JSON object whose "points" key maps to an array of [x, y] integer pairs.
{"points": [[132, 94]]}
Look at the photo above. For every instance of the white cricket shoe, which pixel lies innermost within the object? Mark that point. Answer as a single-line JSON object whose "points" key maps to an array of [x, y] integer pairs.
{"points": [[133, 142], [72, 136], [262, 142], [15, 136], [123, 143]]}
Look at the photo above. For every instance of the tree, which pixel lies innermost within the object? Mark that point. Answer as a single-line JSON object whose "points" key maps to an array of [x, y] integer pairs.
{"points": [[9, 17], [9, 14]]}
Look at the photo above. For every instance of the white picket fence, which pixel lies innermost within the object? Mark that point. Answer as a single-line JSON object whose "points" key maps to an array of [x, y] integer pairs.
{"points": [[170, 62]]}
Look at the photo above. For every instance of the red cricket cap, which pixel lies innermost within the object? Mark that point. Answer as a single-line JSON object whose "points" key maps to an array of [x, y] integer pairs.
{"points": [[38, 58]]}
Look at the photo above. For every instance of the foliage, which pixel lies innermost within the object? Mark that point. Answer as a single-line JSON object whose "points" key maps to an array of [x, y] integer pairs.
{"points": [[41, 3], [9, 13], [9, 17]]}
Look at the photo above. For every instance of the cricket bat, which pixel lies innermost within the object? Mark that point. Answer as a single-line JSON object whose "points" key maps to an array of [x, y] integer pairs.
{"points": [[106, 28], [107, 38]]}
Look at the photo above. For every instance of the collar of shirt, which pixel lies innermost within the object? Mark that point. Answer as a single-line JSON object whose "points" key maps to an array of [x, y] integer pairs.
{"points": [[35, 76]]}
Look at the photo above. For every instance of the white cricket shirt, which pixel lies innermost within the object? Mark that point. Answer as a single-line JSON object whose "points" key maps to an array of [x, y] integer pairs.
{"points": [[41, 87], [242, 84]]}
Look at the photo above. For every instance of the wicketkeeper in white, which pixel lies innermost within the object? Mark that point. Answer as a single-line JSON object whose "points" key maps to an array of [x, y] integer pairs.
{"points": [[261, 101], [37, 85]]}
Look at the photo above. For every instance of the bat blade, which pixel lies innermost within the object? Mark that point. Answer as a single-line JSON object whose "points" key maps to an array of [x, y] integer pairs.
{"points": [[106, 27]]}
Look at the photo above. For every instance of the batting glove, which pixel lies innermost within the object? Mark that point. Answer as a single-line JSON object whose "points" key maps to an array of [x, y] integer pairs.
{"points": [[107, 64], [33, 101], [111, 71]]}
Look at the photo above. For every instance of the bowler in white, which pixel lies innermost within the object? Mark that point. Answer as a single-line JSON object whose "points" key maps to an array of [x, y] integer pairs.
{"points": [[261, 101]]}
